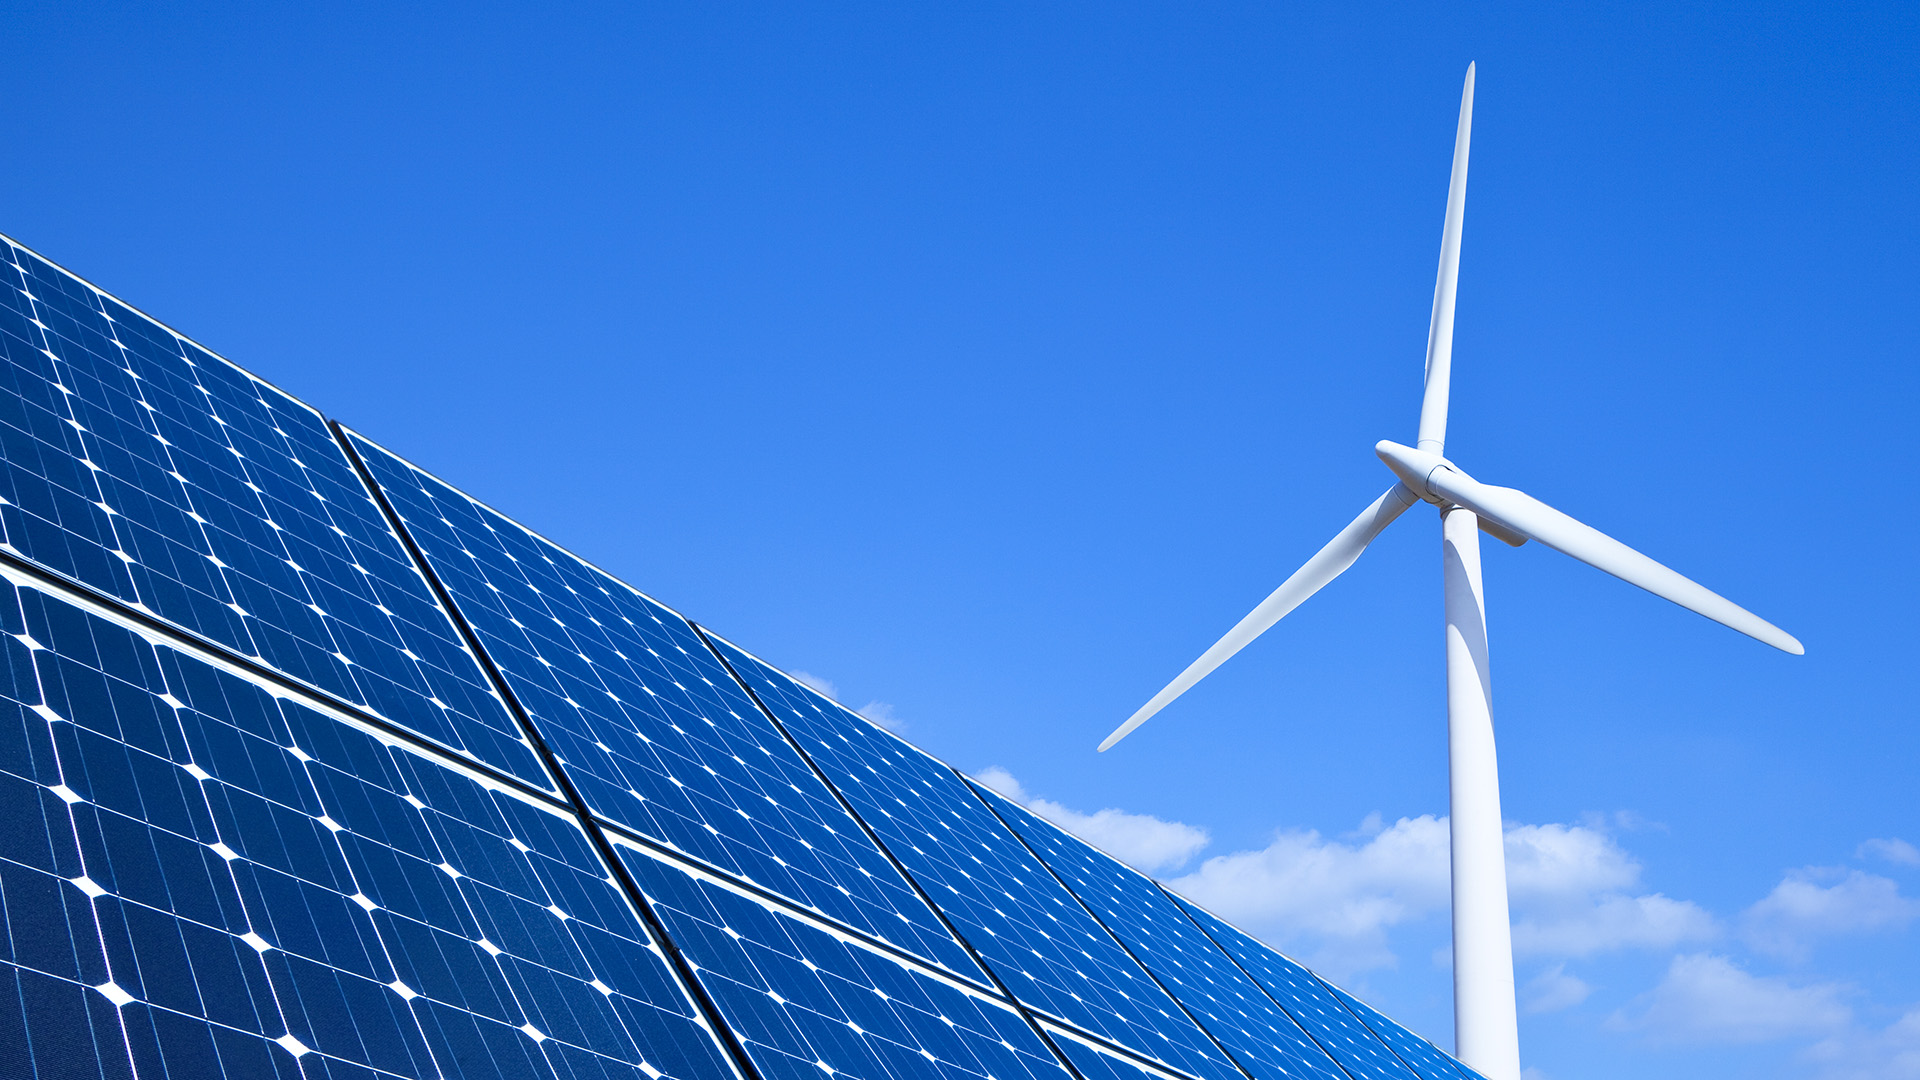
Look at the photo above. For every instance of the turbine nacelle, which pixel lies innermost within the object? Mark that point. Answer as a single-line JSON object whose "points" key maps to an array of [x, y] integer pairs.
{"points": [[1419, 469], [1415, 468]]}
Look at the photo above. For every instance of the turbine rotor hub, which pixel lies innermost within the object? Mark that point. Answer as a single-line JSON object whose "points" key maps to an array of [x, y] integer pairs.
{"points": [[1415, 468]]}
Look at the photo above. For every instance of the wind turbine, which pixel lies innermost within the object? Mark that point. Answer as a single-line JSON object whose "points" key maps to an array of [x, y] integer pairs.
{"points": [[1486, 1034]]}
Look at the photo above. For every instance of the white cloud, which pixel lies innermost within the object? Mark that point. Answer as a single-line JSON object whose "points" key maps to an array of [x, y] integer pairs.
{"points": [[1615, 921], [1708, 999], [881, 713], [1002, 781], [1553, 990], [1800, 908], [1569, 886], [1142, 841], [1555, 862], [1340, 896], [1895, 851], [815, 682], [1892, 1053], [1570, 889]]}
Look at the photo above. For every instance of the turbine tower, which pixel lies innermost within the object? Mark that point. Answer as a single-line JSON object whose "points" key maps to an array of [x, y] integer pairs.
{"points": [[1486, 1034]]}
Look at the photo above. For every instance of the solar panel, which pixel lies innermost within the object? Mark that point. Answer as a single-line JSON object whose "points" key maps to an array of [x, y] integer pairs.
{"points": [[1305, 998], [206, 877], [1035, 936], [808, 1002], [655, 733], [137, 463], [313, 766], [1431, 1062], [1226, 1003]]}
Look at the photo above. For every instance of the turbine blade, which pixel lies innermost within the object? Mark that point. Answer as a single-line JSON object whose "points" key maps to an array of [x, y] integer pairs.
{"points": [[1522, 513], [1433, 407], [1328, 563], [1504, 535]]}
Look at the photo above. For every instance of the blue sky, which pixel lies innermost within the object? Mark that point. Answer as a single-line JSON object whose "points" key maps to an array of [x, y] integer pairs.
{"points": [[989, 361]]}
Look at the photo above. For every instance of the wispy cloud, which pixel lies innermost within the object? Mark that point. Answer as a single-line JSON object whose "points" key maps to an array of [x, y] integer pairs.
{"points": [[1705, 998], [878, 712], [881, 713], [1338, 896], [1142, 841], [1801, 909], [1551, 862], [1614, 921], [1572, 887], [1895, 851], [1340, 903], [815, 682], [1553, 990], [1892, 1053]]}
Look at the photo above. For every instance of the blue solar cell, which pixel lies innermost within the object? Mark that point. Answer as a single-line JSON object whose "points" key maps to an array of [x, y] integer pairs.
{"points": [[807, 1003], [147, 468], [205, 878], [1041, 943], [1095, 1064], [1305, 998], [1228, 1005], [1431, 1062], [653, 731]]}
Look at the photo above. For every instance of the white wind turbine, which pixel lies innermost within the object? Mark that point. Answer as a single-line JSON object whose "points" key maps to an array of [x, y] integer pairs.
{"points": [[1486, 1033]]}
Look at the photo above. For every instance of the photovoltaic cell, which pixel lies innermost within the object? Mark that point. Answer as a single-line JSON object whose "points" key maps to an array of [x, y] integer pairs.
{"points": [[654, 732], [204, 879], [1228, 1004], [1037, 938], [1424, 1058], [810, 1004], [1095, 1064], [147, 468], [1309, 1001]]}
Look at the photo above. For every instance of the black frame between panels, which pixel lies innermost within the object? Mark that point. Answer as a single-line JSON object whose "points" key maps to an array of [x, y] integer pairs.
{"points": [[87, 603], [72, 591], [1346, 1066], [604, 834], [1225, 1050], [1026, 1014], [588, 821], [599, 827]]}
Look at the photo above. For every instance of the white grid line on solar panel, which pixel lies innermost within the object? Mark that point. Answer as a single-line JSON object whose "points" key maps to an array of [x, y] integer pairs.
{"points": [[159, 473], [1420, 1055], [1043, 945], [632, 838], [1228, 1004], [1305, 998], [300, 755], [771, 902], [399, 911], [652, 730], [1096, 1061], [307, 697], [1008, 952], [804, 997], [216, 658]]}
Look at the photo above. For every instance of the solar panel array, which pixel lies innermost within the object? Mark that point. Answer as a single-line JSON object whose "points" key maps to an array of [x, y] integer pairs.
{"points": [[313, 766]]}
